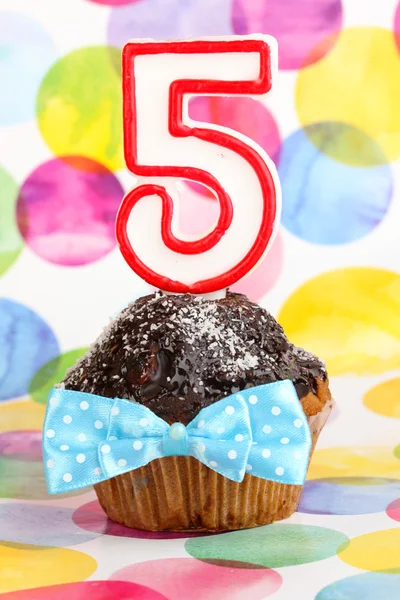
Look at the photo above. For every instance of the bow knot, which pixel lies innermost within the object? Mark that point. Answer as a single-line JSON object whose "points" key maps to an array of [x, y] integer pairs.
{"points": [[89, 438]]}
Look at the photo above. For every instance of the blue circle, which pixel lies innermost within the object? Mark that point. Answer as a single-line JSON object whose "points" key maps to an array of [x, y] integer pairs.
{"points": [[326, 201], [27, 343], [169, 19], [368, 586], [360, 496], [26, 53]]}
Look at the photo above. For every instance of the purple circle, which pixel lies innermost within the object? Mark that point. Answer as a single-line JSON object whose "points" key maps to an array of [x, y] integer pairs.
{"points": [[169, 19], [113, 2], [91, 517], [305, 30], [21, 445], [66, 210]]}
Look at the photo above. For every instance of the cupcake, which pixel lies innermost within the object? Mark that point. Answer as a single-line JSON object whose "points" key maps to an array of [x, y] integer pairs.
{"points": [[177, 355]]}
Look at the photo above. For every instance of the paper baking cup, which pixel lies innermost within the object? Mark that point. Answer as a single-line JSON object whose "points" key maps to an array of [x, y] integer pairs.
{"points": [[179, 493]]}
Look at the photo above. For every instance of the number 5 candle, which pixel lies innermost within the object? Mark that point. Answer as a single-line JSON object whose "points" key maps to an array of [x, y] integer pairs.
{"points": [[162, 144]]}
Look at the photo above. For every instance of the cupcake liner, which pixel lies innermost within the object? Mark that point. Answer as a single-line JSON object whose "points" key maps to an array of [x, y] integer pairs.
{"points": [[179, 493]]}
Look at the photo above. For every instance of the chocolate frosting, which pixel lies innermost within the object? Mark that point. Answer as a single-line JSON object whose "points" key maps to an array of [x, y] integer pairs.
{"points": [[179, 353]]}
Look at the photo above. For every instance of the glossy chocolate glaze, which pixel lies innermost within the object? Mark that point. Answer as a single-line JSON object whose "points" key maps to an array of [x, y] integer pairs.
{"points": [[178, 353]]}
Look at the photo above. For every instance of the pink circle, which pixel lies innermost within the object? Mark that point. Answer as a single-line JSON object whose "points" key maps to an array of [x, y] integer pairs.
{"points": [[114, 2], [91, 517], [305, 30], [87, 590], [396, 26], [66, 210], [393, 510], [264, 276], [21, 445], [179, 578], [245, 115]]}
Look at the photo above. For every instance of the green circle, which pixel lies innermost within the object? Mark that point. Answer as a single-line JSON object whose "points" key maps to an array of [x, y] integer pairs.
{"points": [[397, 451], [11, 242], [272, 546], [79, 106], [51, 373]]}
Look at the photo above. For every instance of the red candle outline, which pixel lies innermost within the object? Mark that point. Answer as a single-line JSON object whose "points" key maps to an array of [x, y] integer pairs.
{"points": [[178, 129]]}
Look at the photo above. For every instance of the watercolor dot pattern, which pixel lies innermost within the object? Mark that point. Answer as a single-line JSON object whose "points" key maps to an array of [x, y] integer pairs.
{"points": [[27, 342], [328, 202], [79, 107], [27, 51], [326, 91], [39, 565], [377, 551], [81, 230], [10, 239], [88, 590], [384, 398], [348, 316], [273, 546], [298, 28], [186, 577], [369, 586]]}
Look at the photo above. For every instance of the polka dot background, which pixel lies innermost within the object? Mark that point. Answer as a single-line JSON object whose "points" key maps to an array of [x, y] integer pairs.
{"points": [[332, 278]]}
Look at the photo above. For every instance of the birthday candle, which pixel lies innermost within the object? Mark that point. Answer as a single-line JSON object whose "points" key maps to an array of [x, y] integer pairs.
{"points": [[162, 144]]}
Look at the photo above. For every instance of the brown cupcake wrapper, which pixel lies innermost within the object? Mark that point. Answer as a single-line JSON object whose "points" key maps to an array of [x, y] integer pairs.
{"points": [[179, 493]]}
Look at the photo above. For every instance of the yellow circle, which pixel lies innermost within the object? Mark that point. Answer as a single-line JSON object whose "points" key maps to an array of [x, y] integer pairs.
{"points": [[354, 461], [21, 415], [378, 551], [384, 398], [23, 566], [356, 83], [349, 317], [79, 106]]}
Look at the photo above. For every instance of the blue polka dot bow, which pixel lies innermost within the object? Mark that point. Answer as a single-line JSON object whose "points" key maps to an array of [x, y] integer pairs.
{"points": [[261, 430]]}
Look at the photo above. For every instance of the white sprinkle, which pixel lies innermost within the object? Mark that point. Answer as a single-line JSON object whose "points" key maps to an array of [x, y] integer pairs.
{"points": [[279, 470], [50, 463], [64, 447], [276, 410], [201, 423], [266, 453], [201, 447], [80, 458], [98, 424], [50, 433], [121, 462], [82, 437], [212, 463], [114, 411], [239, 437], [67, 477], [143, 422], [105, 449], [267, 429], [229, 410], [137, 445], [232, 454], [67, 419], [285, 440], [253, 399], [298, 423], [84, 405]]}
